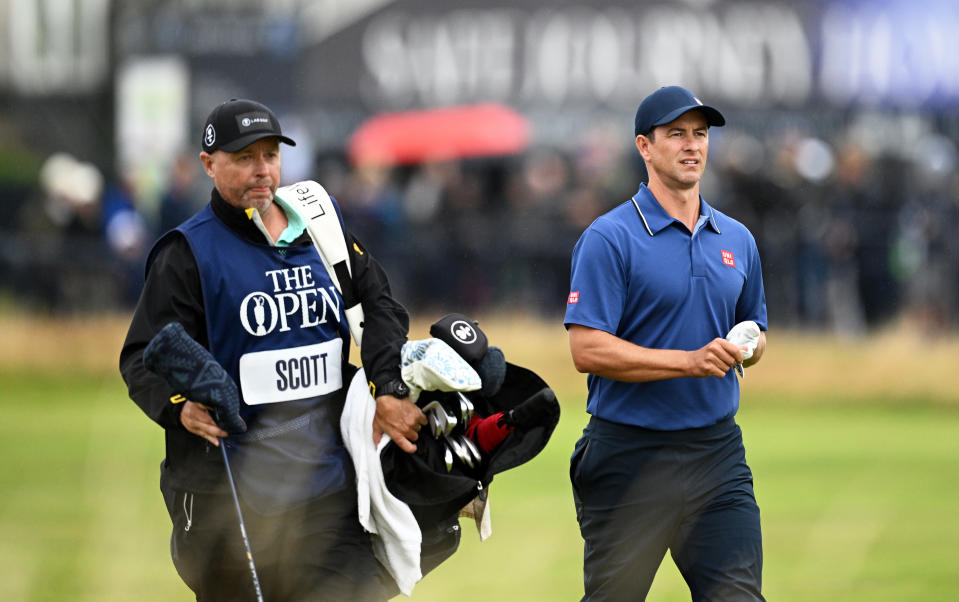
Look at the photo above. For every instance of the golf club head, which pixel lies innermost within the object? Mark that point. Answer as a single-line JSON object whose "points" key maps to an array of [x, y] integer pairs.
{"points": [[472, 449], [460, 452], [466, 408], [432, 411], [430, 406], [451, 423], [448, 457]]}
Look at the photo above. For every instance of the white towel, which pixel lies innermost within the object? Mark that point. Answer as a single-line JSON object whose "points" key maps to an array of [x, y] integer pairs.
{"points": [[396, 535]]}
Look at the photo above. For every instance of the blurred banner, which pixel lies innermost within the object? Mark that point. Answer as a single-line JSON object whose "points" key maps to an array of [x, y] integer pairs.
{"points": [[345, 60], [409, 53]]}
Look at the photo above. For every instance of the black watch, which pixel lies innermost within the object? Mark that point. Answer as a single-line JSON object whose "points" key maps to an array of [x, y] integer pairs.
{"points": [[396, 388]]}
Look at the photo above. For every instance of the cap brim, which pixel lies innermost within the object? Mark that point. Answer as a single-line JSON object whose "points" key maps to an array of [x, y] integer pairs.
{"points": [[713, 117], [245, 141]]}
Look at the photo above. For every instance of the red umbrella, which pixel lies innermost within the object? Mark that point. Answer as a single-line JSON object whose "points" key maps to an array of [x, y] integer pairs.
{"points": [[437, 134]]}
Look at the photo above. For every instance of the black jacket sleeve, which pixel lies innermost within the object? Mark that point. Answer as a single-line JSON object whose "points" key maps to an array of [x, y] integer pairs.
{"points": [[171, 293], [386, 322]]}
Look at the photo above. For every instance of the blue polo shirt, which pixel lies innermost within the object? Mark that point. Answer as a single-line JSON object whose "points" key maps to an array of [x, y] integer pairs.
{"points": [[641, 275]]}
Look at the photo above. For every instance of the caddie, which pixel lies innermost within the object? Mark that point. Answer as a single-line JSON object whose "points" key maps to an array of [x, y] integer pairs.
{"points": [[244, 278]]}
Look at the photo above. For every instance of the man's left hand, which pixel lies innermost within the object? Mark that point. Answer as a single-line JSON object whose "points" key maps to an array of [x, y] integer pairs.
{"points": [[401, 419]]}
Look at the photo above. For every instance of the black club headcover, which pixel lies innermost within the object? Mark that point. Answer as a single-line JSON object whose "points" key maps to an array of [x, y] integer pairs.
{"points": [[463, 335], [533, 412], [492, 371], [193, 372]]}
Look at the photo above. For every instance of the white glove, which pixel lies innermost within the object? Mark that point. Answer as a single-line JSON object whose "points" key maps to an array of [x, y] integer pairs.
{"points": [[745, 334], [432, 365]]}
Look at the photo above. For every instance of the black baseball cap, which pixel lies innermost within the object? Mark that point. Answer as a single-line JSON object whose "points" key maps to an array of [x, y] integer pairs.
{"points": [[238, 123], [668, 103]]}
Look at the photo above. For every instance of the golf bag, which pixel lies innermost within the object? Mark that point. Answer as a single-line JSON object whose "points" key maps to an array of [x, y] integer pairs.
{"points": [[434, 488], [436, 493]]}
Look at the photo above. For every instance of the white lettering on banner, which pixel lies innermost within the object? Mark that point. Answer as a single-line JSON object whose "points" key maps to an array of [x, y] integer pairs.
{"points": [[747, 52], [899, 52], [465, 54], [291, 302], [288, 374]]}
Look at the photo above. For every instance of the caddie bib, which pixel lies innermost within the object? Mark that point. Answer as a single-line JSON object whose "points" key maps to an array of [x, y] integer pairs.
{"points": [[275, 323]]}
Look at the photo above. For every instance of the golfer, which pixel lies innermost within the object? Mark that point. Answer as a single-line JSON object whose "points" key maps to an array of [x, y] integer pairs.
{"points": [[244, 279], [656, 286]]}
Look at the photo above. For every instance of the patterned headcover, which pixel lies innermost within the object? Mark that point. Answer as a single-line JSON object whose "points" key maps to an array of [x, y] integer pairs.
{"points": [[194, 373]]}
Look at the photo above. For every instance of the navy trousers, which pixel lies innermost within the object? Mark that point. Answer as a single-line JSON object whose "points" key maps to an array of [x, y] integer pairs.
{"points": [[640, 492]]}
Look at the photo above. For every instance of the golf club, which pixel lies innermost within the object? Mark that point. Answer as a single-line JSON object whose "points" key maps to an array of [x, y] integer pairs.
{"points": [[192, 372], [239, 515]]}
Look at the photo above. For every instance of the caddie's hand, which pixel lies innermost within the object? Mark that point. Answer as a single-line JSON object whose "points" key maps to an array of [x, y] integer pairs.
{"points": [[714, 359], [401, 419], [196, 418]]}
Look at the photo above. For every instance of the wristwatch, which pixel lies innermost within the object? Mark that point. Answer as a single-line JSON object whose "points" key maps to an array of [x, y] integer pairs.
{"points": [[396, 388]]}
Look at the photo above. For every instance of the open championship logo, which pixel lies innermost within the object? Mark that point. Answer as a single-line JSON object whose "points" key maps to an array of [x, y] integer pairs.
{"points": [[463, 331], [210, 136]]}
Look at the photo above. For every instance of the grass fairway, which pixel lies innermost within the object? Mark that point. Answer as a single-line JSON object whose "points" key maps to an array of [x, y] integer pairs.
{"points": [[855, 477]]}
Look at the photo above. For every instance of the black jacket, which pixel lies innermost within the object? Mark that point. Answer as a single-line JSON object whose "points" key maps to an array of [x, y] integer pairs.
{"points": [[172, 292]]}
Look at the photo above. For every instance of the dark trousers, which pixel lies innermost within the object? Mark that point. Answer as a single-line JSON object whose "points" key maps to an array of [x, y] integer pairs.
{"points": [[317, 551], [640, 492]]}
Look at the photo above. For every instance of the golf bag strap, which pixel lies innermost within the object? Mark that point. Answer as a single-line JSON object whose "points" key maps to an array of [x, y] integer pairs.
{"points": [[318, 210]]}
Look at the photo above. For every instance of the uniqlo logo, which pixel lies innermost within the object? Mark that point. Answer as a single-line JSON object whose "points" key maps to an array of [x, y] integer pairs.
{"points": [[573, 297], [728, 259]]}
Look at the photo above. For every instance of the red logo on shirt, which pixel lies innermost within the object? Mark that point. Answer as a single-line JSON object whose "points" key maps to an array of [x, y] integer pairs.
{"points": [[728, 259], [573, 297]]}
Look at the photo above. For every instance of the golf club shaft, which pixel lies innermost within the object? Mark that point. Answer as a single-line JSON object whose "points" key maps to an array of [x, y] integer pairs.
{"points": [[239, 515]]}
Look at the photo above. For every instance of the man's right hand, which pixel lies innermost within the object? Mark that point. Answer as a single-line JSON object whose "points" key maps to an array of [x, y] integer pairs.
{"points": [[401, 419], [196, 418], [715, 359]]}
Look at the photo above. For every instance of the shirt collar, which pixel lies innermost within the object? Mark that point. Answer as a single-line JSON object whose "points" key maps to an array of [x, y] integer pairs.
{"points": [[295, 224], [249, 223], [655, 218]]}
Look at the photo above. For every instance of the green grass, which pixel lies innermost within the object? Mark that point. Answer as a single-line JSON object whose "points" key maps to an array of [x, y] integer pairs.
{"points": [[858, 503]]}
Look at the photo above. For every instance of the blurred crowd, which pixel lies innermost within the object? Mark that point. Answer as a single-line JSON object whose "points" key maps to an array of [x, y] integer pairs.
{"points": [[852, 227]]}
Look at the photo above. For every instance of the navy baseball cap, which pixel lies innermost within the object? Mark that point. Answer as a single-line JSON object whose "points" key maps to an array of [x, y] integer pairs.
{"points": [[668, 103], [238, 123]]}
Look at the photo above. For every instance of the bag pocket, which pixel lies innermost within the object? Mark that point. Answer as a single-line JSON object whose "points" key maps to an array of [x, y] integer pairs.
{"points": [[440, 541]]}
